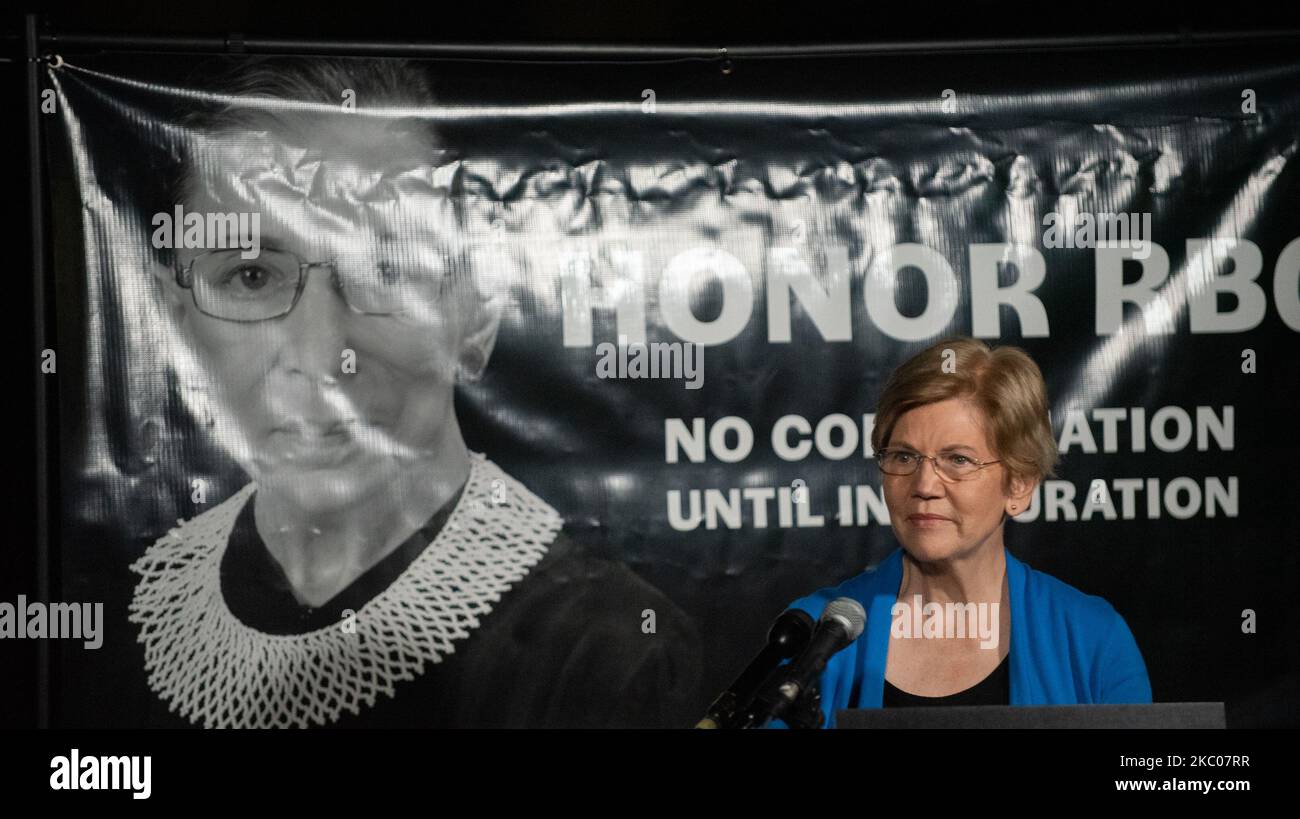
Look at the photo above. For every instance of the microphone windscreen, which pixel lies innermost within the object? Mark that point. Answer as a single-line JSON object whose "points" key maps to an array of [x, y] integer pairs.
{"points": [[849, 612]]}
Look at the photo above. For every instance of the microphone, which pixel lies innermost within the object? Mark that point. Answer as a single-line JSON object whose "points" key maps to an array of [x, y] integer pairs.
{"points": [[841, 623], [788, 636]]}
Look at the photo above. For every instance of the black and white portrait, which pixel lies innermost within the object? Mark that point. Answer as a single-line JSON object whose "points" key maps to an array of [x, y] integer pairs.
{"points": [[373, 570]]}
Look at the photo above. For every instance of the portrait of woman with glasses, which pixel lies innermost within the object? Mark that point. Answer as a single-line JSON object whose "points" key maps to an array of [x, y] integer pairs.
{"points": [[962, 439], [373, 571]]}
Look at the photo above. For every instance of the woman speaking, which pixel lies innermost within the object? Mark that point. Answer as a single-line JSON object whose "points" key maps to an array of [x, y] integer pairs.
{"points": [[962, 439]]}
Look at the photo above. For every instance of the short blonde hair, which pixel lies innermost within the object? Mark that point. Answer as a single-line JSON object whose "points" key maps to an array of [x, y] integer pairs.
{"points": [[1003, 382]]}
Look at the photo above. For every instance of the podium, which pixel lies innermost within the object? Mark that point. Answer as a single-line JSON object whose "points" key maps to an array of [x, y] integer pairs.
{"points": [[1156, 715]]}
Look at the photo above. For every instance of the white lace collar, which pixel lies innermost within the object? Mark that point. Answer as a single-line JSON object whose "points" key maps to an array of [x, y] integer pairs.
{"points": [[220, 673]]}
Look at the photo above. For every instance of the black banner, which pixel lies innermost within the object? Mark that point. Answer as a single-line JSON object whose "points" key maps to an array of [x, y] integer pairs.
{"points": [[470, 393]]}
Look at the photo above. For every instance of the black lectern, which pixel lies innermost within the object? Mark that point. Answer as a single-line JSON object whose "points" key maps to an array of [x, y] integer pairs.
{"points": [[1157, 715]]}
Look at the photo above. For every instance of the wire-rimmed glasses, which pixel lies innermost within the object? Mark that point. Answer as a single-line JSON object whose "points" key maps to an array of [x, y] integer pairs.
{"points": [[951, 465], [227, 286]]}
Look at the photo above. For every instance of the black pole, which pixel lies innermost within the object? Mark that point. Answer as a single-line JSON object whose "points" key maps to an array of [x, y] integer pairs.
{"points": [[295, 45], [37, 194], [618, 52]]}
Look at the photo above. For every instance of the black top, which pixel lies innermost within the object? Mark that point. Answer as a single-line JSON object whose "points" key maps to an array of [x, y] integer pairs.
{"points": [[258, 592], [995, 689], [563, 648]]}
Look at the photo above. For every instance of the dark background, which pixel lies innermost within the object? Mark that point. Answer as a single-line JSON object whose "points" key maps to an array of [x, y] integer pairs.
{"points": [[662, 22]]}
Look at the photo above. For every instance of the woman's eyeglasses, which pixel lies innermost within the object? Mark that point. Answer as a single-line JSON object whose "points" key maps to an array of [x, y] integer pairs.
{"points": [[953, 466], [227, 286]]}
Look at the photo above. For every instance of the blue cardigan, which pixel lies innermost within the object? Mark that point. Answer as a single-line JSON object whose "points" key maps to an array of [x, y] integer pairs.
{"points": [[1067, 647]]}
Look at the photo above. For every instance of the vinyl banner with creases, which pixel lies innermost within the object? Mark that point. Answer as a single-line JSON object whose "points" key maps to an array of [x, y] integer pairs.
{"points": [[474, 393]]}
